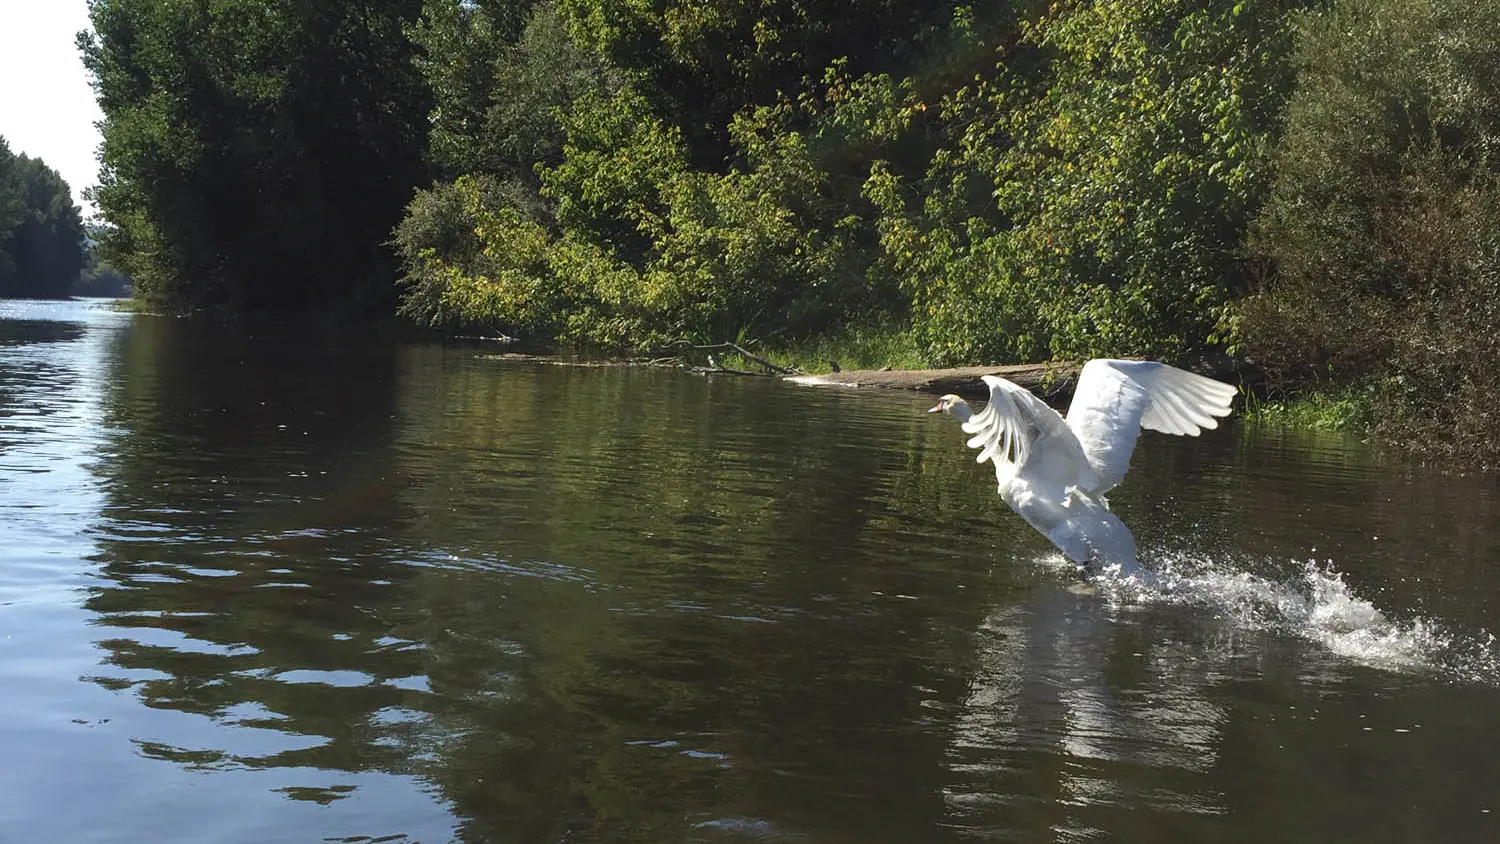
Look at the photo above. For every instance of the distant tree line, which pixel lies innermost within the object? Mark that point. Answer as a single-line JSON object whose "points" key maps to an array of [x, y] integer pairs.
{"points": [[100, 278], [41, 231], [1309, 183]]}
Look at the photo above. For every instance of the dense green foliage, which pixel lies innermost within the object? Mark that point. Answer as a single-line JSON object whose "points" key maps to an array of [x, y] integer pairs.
{"points": [[802, 190], [1312, 183], [1094, 194], [41, 230], [256, 155], [1384, 226]]}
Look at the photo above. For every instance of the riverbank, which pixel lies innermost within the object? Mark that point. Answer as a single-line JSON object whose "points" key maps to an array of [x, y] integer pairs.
{"points": [[1347, 410], [1344, 410]]}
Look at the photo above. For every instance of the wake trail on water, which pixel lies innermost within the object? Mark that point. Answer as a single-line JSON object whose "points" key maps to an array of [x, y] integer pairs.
{"points": [[1313, 603]]}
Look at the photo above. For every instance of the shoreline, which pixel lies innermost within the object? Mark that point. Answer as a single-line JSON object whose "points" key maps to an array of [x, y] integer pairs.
{"points": [[1051, 381]]}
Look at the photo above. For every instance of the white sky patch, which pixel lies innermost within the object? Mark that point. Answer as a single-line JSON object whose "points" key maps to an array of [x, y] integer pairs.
{"points": [[47, 108]]}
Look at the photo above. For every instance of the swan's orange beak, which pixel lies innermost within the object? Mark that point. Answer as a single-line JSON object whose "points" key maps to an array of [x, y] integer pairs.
{"points": [[936, 409]]}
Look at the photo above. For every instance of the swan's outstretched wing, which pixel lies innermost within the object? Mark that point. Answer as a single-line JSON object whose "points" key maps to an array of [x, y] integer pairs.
{"points": [[1017, 430], [1115, 399]]}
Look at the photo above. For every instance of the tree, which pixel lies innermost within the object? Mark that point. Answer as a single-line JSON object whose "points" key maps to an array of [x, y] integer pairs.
{"points": [[257, 154], [469, 61], [41, 230], [704, 62], [1095, 191], [609, 200], [12, 210], [99, 277]]}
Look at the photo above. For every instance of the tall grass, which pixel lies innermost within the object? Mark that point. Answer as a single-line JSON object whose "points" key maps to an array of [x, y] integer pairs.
{"points": [[1348, 409], [854, 348]]}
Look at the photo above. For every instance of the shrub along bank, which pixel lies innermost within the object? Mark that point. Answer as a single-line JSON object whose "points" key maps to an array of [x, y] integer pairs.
{"points": [[1309, 184]]}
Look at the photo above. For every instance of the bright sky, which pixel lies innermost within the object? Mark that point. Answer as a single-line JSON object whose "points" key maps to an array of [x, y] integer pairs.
{"points": [[47, 108]]}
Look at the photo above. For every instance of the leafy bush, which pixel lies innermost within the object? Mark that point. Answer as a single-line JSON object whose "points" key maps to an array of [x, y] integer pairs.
{"points": [[1384, 225], [1085, 192], [438, 239], [1094, 195], [634, 247]]}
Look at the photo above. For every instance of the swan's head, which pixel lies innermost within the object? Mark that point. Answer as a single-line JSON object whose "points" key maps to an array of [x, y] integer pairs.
{"points": [[951, 405]]}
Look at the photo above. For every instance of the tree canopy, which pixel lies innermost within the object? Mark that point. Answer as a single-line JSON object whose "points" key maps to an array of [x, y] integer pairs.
{"points": [[257, 154], [1010, 182], [41, 230]]}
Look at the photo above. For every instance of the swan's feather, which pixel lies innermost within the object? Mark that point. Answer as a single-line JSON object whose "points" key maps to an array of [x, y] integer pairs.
{"points": [[1019, 433], [1115, 399]]}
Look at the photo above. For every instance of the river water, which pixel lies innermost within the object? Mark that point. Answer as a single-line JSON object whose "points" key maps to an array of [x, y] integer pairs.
{"points": [[260, 586]]}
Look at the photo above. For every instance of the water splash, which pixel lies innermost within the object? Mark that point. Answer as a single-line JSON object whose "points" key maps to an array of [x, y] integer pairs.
{"points": [[1314, 603]]}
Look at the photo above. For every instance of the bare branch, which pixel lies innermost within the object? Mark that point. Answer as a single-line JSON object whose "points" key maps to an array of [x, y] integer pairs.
{"points": [[724, 370], [709, 347]]}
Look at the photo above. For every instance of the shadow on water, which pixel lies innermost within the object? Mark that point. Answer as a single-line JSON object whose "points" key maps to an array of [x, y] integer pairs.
{"points": [[231, 463], [243, 570], [609, 604], [576, 612], [23, 332]]}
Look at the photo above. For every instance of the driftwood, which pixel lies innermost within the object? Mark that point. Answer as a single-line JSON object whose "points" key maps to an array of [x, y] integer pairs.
{"points": [[664, 357], [714, 367], [503, 339], [1044, 379], [550, 360], [724, 370], [1052, 381]]}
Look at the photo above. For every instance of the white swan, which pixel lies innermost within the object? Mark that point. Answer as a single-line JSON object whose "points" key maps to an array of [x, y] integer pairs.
{"points": [[1054, 473]]}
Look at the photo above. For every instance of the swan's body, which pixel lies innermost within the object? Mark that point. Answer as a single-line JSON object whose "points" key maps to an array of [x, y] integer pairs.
{"points": [[1054, 472]]}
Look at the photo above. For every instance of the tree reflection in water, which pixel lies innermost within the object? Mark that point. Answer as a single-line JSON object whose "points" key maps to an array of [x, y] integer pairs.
{"points": [[607, 604], [567, 607]]}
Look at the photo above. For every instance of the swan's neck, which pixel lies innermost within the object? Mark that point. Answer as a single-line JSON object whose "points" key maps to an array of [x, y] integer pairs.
{"points": [[961, 411]]}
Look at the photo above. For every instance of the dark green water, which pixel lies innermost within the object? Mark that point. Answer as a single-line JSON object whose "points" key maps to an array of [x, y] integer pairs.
{"points": [[256, 587]]}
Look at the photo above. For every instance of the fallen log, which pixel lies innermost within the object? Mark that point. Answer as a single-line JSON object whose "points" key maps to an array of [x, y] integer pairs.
{"points": [[1052, 381], [1048, 380]]}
